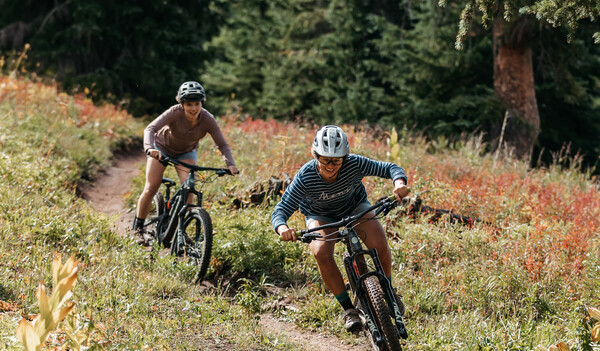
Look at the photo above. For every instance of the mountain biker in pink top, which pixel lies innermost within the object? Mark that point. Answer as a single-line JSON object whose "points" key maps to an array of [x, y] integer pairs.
{"points": [[175, 133]]}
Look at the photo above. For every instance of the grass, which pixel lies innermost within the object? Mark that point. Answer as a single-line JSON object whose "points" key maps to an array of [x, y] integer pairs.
{"points": [[524, 287]]}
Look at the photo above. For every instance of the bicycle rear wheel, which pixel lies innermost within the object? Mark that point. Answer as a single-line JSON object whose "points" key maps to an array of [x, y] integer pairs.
{"points": [[382, 313], [167, 228], [197, 240], [159, 203], [154, 226]]}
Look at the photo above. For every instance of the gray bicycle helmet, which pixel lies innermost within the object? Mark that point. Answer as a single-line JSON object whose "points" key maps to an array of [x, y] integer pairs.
{"points": [[331, 141], [191, 91]]}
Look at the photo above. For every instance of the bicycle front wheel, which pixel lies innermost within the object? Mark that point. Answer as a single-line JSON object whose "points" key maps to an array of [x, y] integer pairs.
{"points": [[382, 313], [197, 240]]}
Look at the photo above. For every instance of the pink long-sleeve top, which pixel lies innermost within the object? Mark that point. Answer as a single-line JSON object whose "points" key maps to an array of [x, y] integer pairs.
{"points": [[174, 134]]}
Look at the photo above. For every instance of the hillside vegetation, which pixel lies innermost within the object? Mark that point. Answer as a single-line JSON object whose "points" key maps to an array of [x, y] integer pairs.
{"points": [[521, 283], [388, 62]]}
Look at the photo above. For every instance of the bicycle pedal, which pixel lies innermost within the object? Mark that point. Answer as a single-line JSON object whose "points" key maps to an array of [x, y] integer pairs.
{"points": [[363, 319]]}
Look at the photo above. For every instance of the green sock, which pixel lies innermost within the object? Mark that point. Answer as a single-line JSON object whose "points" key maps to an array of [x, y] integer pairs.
{"points": [[344, 300]]}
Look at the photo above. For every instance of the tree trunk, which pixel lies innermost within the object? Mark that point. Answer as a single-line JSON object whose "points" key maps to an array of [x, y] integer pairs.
{"points": [[514, 86]]}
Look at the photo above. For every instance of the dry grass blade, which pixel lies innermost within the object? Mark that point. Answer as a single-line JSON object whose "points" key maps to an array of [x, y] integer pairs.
{"points": [[394, 145], [28, 336], [64, 278], [594, 313], [595, 335], [561, 346], [78, 337]]}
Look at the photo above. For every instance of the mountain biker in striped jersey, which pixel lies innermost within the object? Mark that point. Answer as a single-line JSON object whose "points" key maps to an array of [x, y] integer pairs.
{"points": [[328, 189]]}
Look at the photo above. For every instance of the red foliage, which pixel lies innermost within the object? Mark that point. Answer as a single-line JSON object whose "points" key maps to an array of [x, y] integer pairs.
{"points": [[560, 218]]}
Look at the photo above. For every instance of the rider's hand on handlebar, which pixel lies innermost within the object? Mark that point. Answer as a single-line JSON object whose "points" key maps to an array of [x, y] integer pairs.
{"points": [[400, 189], [233, 170], [286, 233], [153, 153]]}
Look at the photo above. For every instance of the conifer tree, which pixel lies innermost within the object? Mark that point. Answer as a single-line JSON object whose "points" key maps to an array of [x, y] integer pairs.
{"points": [[136, 53], [512, 23]]}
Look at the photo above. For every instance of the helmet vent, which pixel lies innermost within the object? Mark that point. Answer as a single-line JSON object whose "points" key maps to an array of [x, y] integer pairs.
{"points": [[331, 141]]}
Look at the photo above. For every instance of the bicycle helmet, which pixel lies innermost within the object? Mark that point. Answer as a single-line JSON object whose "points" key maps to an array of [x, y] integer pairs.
{"points": [[331, 141], [191, 91]]}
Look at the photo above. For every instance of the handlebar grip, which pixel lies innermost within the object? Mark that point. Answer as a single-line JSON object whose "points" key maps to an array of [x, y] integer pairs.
{"points": [[223, 172]]}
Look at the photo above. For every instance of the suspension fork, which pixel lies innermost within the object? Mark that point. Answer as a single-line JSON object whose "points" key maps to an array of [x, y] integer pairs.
{"points": [[357, 276], [356, 270], [180, 211], [181, 214]]}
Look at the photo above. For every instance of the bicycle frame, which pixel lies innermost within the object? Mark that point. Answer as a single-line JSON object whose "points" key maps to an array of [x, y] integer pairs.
{"points": [[356, 267], [177, 206], [164, 213]]}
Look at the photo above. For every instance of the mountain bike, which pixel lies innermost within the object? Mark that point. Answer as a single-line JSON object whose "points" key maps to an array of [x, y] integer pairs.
{"points": [[185, 228], [373, 294]]}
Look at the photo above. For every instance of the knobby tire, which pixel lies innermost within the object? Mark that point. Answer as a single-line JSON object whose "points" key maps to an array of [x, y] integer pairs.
{"points": [[382, 313], [158, 209], [378, 305], [198, 232], [159, 203]]}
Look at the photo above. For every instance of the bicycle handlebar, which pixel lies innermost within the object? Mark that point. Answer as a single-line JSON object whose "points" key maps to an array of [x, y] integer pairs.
{"points": [[385, 205], [166, 160]]}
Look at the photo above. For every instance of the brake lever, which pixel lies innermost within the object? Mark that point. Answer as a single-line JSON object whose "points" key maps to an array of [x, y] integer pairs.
{"points": [[309, 237], [223, 172], [165, 160]]}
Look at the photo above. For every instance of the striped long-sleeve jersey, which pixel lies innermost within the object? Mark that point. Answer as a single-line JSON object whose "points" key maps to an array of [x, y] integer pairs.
{"points": [[309, 192]]}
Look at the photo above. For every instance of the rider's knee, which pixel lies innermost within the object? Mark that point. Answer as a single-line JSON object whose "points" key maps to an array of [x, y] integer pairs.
{"points": [[324, 256], [150, 189]]}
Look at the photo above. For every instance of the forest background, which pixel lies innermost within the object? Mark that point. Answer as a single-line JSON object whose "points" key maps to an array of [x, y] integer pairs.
{"points": [[393, 63]]}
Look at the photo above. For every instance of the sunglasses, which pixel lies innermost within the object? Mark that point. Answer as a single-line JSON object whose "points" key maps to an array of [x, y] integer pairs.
{"points": [[335, 161]]}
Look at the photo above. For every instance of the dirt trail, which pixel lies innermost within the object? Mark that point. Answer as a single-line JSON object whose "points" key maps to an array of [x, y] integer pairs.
{"points": [[106, 195], [108, 190]]}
